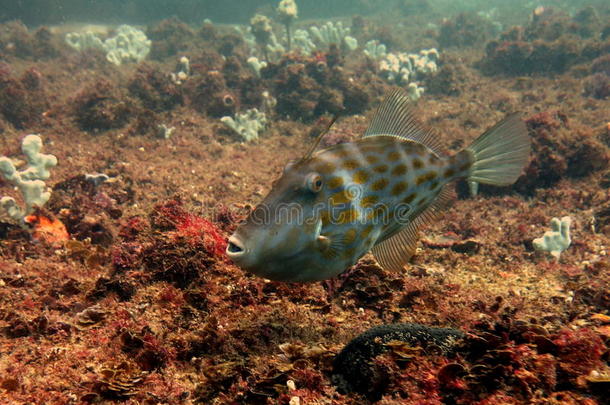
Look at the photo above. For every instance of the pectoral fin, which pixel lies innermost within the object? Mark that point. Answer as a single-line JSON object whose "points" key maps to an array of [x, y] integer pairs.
{"points": [[323, 242], [332, 245]]}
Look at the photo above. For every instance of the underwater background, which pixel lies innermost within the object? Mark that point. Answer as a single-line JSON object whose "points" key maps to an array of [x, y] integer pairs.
{"points": [[234, 11], [136, 136]]}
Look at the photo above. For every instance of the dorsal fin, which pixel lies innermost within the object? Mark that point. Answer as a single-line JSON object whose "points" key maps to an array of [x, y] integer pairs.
{"points": [[395, 117], [315, 144], [396, 248]]}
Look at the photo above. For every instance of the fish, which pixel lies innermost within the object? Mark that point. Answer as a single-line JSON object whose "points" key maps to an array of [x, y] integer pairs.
{"points": [[334, 205]]}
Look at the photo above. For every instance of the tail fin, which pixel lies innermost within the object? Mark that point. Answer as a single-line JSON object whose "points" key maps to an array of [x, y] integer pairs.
{"points": [[499, 154]]}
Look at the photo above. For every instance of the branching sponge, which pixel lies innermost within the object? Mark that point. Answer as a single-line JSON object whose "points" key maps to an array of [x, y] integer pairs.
{"points": [[557, 239], [30, 181]]}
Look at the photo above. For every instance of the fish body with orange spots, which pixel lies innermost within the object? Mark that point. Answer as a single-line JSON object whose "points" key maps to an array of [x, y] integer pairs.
{"points": [[332, 206]]}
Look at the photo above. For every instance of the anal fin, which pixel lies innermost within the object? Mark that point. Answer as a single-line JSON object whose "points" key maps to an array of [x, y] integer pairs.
{"points": [[393, 253]]}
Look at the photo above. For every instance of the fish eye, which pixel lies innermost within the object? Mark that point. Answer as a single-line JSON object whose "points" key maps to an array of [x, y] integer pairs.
{"points": [[314, 182]]}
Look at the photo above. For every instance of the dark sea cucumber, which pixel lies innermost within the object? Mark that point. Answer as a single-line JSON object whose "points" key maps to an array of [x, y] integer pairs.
{"points": [[351, 367]]}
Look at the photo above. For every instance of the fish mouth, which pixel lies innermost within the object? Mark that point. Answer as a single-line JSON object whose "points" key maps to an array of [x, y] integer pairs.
{"points": [[235, 248]]}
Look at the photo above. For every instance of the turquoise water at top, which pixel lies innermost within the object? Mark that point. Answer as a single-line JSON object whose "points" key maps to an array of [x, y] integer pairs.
{"points": [[51, 12]]}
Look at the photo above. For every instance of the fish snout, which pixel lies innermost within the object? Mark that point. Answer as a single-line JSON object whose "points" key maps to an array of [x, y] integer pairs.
{"points": [[236, 249]]}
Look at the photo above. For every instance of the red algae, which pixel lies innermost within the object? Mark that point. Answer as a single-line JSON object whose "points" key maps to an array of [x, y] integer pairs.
{"points": [[579, 351], [195, 229]]}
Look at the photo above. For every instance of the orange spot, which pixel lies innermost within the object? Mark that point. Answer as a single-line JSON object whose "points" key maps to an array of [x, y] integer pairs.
{"points": [[324, 167], [369, 201], [360, 177], [347, 216], [393, 156], [409, 199], [350, 164], [335, 182], [367, 230], [379, 184], [51, 231], [350, 236], [381, 169], [399, 170], [372, 159], [378, 212], [340, 198], [399, 188], [425, 177]]}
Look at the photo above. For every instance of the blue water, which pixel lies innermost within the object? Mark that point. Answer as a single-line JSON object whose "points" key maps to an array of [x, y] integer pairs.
{"points": [[36, 12]]}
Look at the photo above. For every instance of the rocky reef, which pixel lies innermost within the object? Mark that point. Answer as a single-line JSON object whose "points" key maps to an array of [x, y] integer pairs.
{"points": [[22, 99], [551, 43], [116, 289]]}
